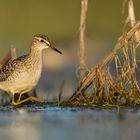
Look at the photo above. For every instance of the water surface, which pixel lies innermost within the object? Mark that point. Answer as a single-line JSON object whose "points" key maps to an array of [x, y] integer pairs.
{"points": [[55, 123]]}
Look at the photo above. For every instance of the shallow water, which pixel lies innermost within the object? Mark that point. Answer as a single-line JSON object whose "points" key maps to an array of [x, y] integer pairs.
{"points": [[55, 123]]}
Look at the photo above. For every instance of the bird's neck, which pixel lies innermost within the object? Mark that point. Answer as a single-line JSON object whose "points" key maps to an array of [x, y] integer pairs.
{"points": [[35, 56], [34, 63]]}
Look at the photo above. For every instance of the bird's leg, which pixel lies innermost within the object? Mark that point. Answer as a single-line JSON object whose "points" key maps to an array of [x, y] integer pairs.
{"points": [[16, 99], [34, 99], [13, 100], [19, 98], [34, 93], [31, 98]]}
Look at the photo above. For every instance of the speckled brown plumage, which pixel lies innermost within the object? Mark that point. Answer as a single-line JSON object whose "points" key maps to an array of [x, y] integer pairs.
{"points": [[9, 68], [22, 74]]}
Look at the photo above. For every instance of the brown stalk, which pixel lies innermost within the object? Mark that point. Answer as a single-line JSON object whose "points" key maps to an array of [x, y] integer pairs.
{"points": [[131, 18], [13, 53], [121, 44], [82, 59], [10, 56]]}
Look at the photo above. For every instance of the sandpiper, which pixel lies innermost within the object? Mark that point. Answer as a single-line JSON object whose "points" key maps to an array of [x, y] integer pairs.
{"points": [[21, 75]]}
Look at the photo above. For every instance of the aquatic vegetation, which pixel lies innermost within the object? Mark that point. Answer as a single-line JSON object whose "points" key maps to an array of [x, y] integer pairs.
{"points": [[114, 80]]}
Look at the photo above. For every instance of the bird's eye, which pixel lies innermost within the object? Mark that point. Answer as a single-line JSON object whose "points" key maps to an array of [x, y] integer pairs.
{"points": [[42, 41]]}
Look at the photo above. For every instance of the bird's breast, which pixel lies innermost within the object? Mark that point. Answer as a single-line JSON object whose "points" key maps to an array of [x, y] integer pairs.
{"points": [[24, 80]]}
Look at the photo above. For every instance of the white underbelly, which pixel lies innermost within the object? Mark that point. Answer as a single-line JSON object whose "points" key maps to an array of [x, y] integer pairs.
{"points": [[22, 83]]}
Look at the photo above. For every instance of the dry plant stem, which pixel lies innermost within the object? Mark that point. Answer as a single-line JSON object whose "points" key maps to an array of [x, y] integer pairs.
{"points": [[10, 56], [82, 59], [121, 44], [131, 14], [13, 53], [131, 18], [61, 92]]}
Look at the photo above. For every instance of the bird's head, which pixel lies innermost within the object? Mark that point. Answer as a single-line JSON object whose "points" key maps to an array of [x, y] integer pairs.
{"points": [[42, 42]]}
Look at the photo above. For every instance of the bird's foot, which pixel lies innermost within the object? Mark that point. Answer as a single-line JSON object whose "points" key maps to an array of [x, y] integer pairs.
{"points": [[31, 98], [36, 99]]}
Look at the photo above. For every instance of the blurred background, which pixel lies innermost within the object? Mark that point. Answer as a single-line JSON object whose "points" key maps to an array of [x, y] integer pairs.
{"points": [[59, 20]]}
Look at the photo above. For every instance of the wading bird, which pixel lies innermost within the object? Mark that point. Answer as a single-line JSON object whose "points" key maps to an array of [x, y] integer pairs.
{"points": [[21, 75]]}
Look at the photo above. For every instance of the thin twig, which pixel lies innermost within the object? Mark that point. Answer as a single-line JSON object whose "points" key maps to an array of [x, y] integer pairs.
{"points": [[82, 59], [11, 55], [61, 92], [131, 18], [131, 13]]}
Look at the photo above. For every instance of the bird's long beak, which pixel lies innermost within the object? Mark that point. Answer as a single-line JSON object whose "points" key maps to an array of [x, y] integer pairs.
{"points": [[52, 47]]}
